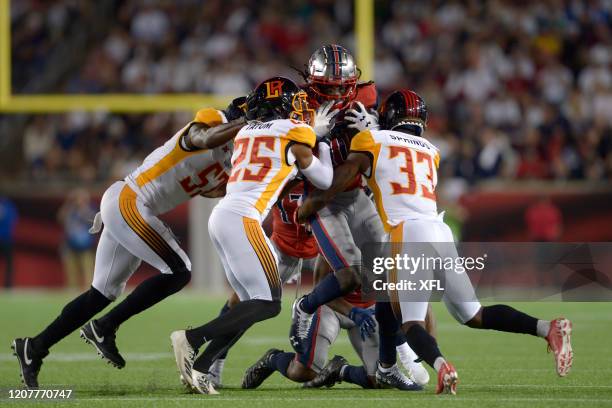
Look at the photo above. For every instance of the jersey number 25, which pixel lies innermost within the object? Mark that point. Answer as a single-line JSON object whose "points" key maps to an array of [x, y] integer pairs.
{"points": [[252, 145]]}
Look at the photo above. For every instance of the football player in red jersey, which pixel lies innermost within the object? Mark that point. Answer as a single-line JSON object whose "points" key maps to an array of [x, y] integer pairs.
{"points": [[340, 230]]}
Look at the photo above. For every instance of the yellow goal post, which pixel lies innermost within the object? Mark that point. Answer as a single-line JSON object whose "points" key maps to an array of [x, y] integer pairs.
{"points": [[140, 103]]}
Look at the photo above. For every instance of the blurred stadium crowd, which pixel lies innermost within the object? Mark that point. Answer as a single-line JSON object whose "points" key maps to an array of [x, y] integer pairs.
{"points": [[516, 89]]}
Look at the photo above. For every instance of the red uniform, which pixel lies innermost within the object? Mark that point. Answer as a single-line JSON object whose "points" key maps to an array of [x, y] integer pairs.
{"points": [[293, 240], [290, 239], [296, 241]]}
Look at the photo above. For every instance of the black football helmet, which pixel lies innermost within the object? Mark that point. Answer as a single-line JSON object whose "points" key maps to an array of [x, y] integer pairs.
{"points": [[403, 107], [278, 98]]}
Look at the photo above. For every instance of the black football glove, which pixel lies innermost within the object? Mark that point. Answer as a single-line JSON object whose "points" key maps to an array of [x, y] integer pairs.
{"points": [[236, 109]]}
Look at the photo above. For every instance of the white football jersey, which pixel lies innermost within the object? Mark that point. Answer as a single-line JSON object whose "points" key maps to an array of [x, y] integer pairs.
{"points": [[403, 174], [172, 174], [262, 164]]}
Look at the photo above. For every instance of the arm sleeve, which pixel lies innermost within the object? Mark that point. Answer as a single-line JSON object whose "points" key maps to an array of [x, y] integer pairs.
{"points": [[320, 172]]}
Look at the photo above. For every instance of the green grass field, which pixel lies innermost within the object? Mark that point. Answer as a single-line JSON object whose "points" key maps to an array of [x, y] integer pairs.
{"points": [[494, 369]]}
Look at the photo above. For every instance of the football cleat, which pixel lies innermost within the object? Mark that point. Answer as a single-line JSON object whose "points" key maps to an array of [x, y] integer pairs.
{"points": [[447, 379], [329, 375], [395, 378], [416, 372], [29, 361], [201, 383], [559, 342], [300, 326], [104, 343], [215, 372], [258, 372], [184, 356]]}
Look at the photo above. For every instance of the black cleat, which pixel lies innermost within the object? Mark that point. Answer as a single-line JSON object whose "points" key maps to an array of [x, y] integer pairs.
{"points": [[29, 361], [104, 343], [258, 372], [329, 375], [395, 378]]}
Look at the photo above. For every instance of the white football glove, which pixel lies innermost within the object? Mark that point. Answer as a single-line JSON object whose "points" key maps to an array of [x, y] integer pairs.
{"points": [[323, 119], [361, 119]]}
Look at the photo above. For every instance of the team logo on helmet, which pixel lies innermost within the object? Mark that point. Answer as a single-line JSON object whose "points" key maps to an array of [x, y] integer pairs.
{"points": [[278, 98], [274, 89]]}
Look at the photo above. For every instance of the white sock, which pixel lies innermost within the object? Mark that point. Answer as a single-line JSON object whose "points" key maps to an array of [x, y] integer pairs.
{"points": [[543, 328], [438, 363], [406, 354], [385, 370]]}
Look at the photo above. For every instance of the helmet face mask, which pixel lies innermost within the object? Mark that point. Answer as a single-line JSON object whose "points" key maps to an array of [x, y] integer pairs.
{"points": [[332, 74], [301, 110]]}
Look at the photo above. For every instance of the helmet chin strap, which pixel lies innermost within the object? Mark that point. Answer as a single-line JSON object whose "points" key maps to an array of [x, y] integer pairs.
{"points": [[416, 128]]}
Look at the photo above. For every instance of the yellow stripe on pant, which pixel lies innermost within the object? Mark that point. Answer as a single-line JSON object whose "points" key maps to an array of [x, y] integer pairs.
{"points": [[256, 238], [133, 218]]}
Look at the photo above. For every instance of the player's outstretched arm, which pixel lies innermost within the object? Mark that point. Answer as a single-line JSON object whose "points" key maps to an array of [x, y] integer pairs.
{"points": [[318, 172], [343, 175], [201, 136]]}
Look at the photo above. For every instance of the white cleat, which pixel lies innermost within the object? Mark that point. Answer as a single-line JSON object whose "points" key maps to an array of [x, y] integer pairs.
{"points": [[415, 370], [418, 373], [184, 355], [202, 383]]}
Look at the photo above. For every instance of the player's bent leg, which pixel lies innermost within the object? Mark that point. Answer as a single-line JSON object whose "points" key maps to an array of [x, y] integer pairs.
{"points": [[216, 368], [505, 318], [240, 317], [332, 286], [288, 268], [388, 374], [276, 360], [256, 374], [144, 235], [30, 352]]}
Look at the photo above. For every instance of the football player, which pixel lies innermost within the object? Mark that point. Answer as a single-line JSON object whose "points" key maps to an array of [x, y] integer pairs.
{"points": [[308, 367], [195, 161], [296, 249], [267, 155], [349, 220], [400, 166]]}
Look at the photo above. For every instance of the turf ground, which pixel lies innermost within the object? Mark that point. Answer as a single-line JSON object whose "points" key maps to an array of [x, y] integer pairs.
{"points": [[495, 369]]}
